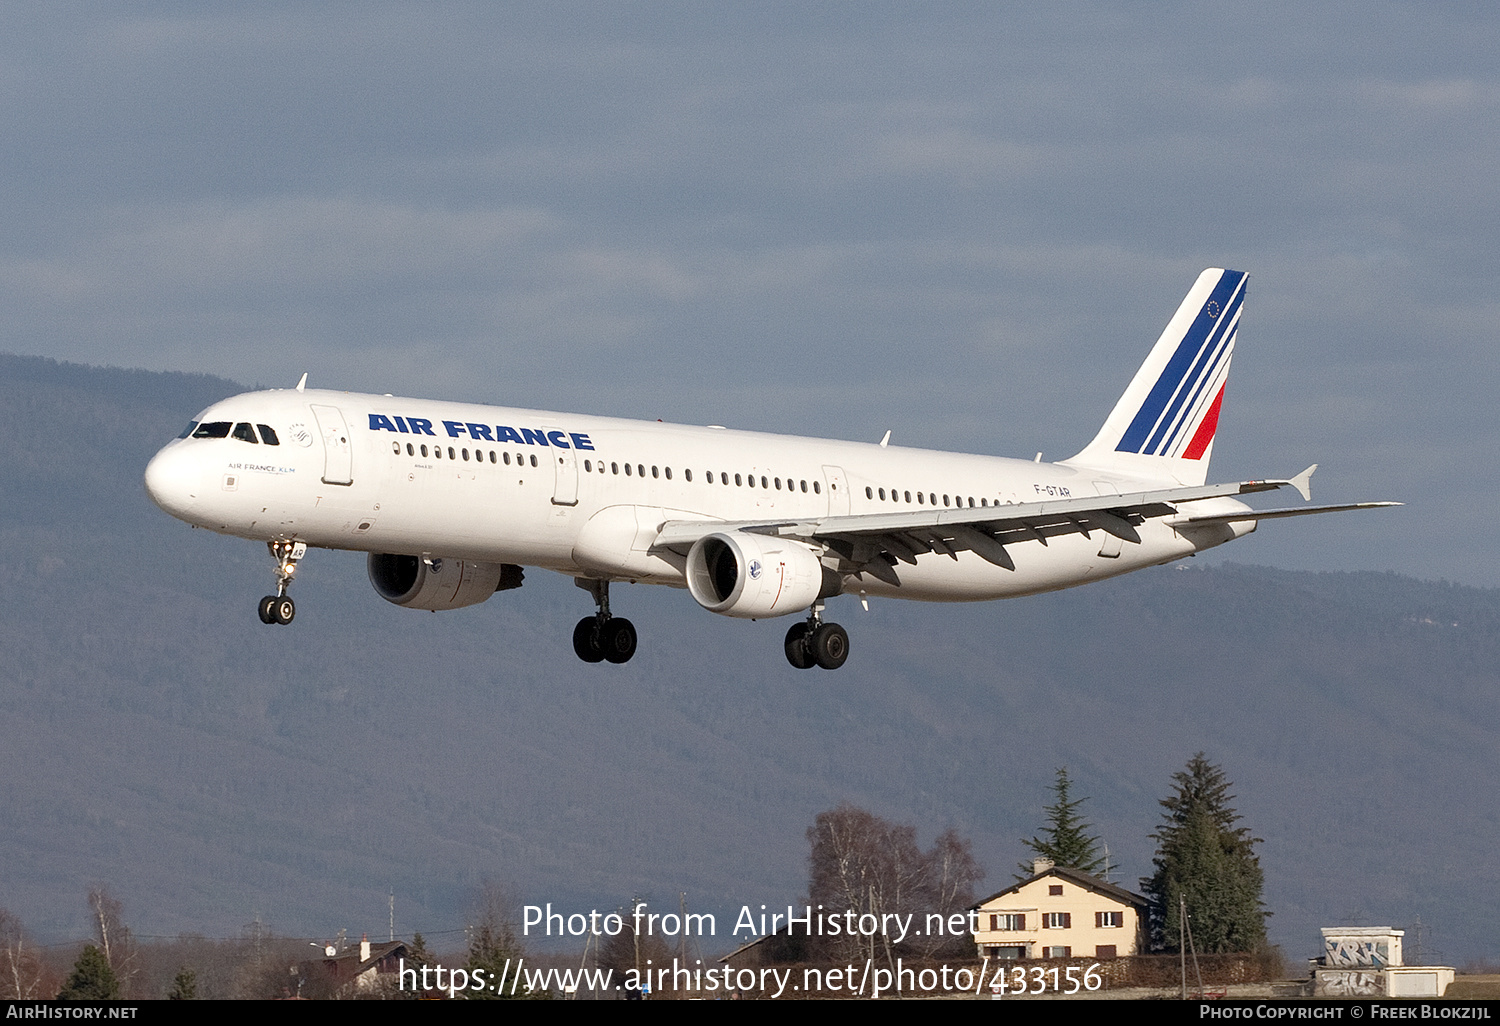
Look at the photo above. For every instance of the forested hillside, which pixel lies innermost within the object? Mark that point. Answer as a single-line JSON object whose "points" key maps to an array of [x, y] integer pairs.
{"points": [[155, 736]]}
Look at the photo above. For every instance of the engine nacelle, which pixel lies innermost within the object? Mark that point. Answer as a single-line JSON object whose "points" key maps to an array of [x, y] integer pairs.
{"points": [[418, 582], [755, 575]]}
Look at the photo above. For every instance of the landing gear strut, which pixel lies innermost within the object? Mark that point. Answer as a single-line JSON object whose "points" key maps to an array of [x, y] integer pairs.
{"points": [[279, 608], [602, 636], [815, 643]]}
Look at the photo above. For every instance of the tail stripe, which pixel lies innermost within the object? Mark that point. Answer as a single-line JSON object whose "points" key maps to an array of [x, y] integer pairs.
{"points": [[1217, 367], [1194, 366]]}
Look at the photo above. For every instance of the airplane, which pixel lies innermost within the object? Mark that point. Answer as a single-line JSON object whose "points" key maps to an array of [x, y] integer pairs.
{"points": [[452, 500]]}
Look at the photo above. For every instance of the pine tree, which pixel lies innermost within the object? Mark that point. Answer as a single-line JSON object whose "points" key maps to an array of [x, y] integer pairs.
{"points": [[92, 979], [1066, 839], [185, 986], [1204, 858]]}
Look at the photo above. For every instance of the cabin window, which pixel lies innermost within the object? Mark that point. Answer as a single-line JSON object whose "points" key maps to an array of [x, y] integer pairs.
{"points": [[752, 481], [920, 498], [267, 435], [710, 477], [669, 473], [588, 466], [409, 450], [533, 460], [424, 452], [804, 486], [817, 488], [466, 455], [627, 470], [945, 499], [245, 433], [614, 468], [187, 431], [882, 495], [763, 482], [686, 474], [737, 480], [396, 448], [492, 457], [218, 429], [653, 472], [450, 453]]}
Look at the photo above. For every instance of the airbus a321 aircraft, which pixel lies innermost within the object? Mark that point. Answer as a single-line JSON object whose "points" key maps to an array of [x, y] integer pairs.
{"points": [[451, 500]]}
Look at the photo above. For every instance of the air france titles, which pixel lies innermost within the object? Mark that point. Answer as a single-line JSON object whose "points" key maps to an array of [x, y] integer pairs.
{"points": [[482, 432]]}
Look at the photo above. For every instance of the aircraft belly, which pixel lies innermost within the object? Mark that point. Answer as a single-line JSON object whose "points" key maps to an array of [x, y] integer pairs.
{"points": [[1063, 563]]}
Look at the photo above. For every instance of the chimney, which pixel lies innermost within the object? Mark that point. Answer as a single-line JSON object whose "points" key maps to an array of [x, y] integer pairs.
{"points": [[364, 947], [1040, 866]]}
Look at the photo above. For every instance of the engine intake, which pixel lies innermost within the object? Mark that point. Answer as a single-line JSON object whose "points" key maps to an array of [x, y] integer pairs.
{"points": [[753, 575], [419, 582]]}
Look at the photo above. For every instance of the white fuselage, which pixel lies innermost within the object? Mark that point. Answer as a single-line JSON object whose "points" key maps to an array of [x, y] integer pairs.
{"points": [[586, 496]]}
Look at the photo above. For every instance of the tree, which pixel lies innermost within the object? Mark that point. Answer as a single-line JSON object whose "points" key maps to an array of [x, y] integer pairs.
{"points": [[185, 986], [867, 865], [22, 973], [1206, 861], [115, 941], [493, 947], [92, 979], [1066, 839]]}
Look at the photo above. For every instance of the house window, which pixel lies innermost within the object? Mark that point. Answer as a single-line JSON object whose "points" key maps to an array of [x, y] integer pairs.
{"points": [[1106, 951], [1105, 920], [1057, 920], [1055, 890], [1008, 952], [1057, 951], [1008, 921]]}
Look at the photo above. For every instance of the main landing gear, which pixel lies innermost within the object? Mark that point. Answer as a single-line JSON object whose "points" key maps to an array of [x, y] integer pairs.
{"points": [[602, 636], [815, 643], [279, 608]]}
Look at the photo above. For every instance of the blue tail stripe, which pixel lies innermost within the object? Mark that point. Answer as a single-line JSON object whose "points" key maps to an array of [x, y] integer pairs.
{"points": [[1220, 355], [1182, 360], [1193, 380]]}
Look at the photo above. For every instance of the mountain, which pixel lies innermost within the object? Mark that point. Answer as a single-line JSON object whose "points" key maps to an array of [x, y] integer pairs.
{"points": [[154, 735]]}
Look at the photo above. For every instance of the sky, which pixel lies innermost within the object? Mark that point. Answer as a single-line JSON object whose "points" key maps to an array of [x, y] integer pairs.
{"points": [[964, 223]]}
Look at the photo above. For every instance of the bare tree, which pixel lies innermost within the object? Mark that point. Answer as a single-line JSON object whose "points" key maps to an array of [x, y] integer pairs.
{"points": [[22, 972], [115, 941], [865, 865]]}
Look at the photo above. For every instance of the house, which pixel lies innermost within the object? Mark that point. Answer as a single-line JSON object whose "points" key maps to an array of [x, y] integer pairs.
{"points": [[1060, 913], [352, 972]]}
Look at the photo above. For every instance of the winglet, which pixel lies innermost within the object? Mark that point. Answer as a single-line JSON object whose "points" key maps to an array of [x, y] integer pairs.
{"points": [[1303, 483], [303, 383]]}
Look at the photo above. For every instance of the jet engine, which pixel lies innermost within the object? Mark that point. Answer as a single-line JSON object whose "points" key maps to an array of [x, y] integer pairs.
{"points": [[754, 575], [421, 582]]}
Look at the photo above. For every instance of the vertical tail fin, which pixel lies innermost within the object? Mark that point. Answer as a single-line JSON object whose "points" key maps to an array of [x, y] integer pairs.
{"points": [[1163, 426]]}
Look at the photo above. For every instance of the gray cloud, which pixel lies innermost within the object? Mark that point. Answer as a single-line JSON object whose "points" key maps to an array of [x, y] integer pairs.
{"points": [[964, 223]]}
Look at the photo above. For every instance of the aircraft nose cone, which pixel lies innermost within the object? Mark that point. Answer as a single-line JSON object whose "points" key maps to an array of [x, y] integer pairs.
{"points": [[173, 481]]}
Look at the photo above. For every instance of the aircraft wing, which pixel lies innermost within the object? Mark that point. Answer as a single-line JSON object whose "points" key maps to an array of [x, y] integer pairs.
{"points": [[865, 541]]}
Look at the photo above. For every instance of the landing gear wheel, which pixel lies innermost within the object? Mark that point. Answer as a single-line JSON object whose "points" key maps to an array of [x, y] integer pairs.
{"points": [[617, 639], [796, 647], [283, 609], [829, 646], [586, 640], [267, 609]]}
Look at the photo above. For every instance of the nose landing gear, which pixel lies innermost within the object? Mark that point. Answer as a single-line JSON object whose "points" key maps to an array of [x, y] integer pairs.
{"points": [[815, 643], [602, 637], [279, 608]]}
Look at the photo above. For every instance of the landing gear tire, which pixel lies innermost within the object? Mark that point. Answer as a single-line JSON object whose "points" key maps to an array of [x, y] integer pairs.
{"points": [[796, 647], [586, 640], [829, 646], [283, 609], [267, 609], [617, 639]]}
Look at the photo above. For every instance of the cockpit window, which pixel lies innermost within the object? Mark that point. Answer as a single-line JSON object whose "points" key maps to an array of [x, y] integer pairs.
{"points": [[245, 433], [217, 429], [189, 429], [267, 435]]}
